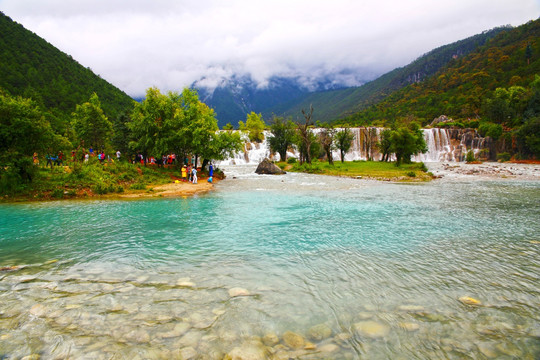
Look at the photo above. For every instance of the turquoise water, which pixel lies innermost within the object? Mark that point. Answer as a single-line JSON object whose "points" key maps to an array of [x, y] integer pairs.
{"points": [[153, 278]]}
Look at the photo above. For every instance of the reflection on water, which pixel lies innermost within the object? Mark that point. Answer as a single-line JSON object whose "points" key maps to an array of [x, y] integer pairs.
{"points": [[298, 266]]}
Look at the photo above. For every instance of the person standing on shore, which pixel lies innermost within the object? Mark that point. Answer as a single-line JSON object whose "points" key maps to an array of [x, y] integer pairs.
{"points": [[194, 171], [184, 173]]}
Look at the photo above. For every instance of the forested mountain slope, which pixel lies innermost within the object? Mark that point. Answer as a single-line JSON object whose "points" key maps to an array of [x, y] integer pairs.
{"points": [[462, 88], [33, 68], [331, 105]]}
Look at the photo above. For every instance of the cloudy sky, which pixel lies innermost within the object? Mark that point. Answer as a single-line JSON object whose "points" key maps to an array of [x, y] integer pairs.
{"points": [[135, 44]]}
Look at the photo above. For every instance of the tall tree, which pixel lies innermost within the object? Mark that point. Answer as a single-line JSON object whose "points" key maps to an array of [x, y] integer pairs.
{"points": [[343, 140], [407, 141], [254, 126], [385, 144], [282, 136], [90, 123], [305, 136], [326, 139]]}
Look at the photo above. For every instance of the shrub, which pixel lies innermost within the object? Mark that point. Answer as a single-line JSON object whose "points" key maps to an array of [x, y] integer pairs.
{"points": [[138, 186], [503, 157], [470, 156], [423, 167], [58, 193], [291, 160], [410, 174]]}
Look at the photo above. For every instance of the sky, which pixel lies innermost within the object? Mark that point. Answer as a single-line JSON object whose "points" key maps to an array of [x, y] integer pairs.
{"points": [[170, 44]]}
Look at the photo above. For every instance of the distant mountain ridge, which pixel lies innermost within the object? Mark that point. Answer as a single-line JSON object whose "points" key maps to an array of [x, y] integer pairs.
{"points": [[335, 104], [33, 68], [236, 97]]}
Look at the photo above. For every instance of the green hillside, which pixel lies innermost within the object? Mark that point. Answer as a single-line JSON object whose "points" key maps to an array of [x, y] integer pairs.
{"points": [[32, 68], [464, 88], [334, 104]]}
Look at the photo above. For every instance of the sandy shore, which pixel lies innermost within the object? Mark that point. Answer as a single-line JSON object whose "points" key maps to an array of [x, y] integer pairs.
{"points": [[485, 171], [173, 190]]}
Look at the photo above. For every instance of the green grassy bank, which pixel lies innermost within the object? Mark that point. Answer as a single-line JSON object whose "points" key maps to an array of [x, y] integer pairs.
{"points": [[377, 170], [79, 180]]}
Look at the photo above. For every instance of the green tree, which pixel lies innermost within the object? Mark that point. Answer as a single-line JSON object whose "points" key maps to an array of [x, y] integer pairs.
{"points": [[254, 126], [23, 131], [305, 136], [282, 136], [121, 134], [528, 138], [228, 126], [326, 139], [344, 140], [407, 141], [90, 123], [385, 144]]}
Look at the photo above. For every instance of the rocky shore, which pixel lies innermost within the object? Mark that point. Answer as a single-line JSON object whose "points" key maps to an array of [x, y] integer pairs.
{"points": [[485, 171]]}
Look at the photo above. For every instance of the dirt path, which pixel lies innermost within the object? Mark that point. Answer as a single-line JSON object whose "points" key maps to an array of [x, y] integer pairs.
{"points": [[173, 189]]}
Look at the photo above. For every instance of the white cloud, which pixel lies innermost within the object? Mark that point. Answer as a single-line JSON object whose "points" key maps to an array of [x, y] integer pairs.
{"points": [[170, 44]]}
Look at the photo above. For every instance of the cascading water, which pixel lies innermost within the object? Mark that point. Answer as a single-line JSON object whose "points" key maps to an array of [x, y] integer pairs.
{"points": [[444, 145]]}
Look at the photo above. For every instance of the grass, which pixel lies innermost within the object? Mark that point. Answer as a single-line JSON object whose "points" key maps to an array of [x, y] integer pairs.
{"points": [[77, 180], [365, 169]]}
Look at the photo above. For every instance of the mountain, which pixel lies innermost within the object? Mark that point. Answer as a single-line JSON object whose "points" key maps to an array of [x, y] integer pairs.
{"points": [[334, 104], [461, 88], [33, 68], [234, 98]]}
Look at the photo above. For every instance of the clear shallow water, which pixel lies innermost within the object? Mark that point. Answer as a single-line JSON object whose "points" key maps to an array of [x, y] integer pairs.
{"points": [[359, 269]]}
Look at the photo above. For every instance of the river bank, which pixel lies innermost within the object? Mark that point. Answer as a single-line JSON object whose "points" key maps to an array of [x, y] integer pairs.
{"points": [[485, 171]]}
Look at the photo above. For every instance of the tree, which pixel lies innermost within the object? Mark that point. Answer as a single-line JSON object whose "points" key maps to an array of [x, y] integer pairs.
{"points": [[407, 141], [121, 134], [326, 139], [23, 131], [385, 144], [90, 123], [305, 137], [228, 126], [282, 136], [147, 122], [254, 126], [344, 140]]}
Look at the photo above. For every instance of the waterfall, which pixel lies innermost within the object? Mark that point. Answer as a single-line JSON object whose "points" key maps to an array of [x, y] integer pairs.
{"points": [[444, 145]]}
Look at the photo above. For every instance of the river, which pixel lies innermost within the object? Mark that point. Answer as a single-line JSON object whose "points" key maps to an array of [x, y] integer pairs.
{"points": [[298, 266]]}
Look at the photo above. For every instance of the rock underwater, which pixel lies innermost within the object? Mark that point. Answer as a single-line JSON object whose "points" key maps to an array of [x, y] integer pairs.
{"points": [[268, 167]]}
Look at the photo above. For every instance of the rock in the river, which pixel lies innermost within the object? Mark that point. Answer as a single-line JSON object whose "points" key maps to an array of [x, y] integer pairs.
{"points": [[268, 167], [371, 329], [270, 339], [234, 292], [467, 300], [248, 351], [38, 310], [320, 332], [293, 340], [409, 326]]}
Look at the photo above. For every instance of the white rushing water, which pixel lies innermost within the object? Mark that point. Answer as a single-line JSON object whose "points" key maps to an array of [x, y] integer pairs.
{"points": [[442, 147]]}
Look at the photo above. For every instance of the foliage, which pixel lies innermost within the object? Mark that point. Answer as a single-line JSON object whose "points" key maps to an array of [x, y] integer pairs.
{"points": [[503, 157], [470, 157], [305, 138], [180, 124], [343, 141], [282, 136], [385, 144], [228, 126], [407, 141], [91, 125], [492, 130], [254, 126], [326, 139], [528, 138], [32, 68]]}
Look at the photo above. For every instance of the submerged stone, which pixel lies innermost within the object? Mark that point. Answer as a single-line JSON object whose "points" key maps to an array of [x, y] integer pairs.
{"points": [[234, 292], [371, 329], [293, 340], [270, 339], [319, 332], [467, 300]]}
